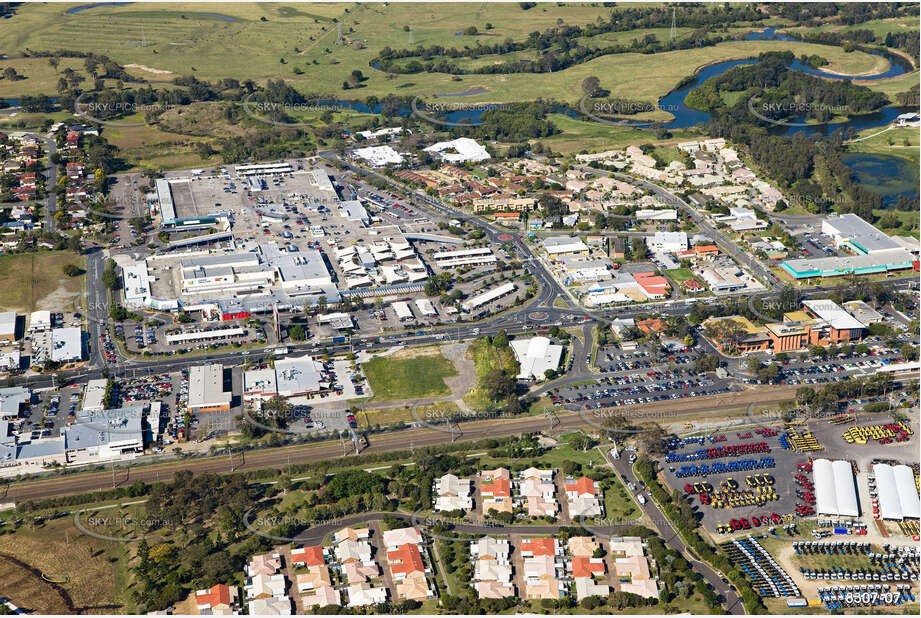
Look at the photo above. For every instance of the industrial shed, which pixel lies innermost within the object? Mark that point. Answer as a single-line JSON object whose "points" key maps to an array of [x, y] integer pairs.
{"points": [[835, 492], [898, 496]]}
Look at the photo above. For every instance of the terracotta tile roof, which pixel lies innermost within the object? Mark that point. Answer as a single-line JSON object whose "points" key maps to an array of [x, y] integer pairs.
{"points": [[584, 567], [311, 556], [405, 559], [583, 485], [539, 547], [218, 594], [500, 488]]}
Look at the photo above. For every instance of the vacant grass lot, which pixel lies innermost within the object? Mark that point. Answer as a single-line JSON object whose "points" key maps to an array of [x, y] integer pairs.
{"points": [[96, 572], [393, 377], [680, 275], [34, 281]]}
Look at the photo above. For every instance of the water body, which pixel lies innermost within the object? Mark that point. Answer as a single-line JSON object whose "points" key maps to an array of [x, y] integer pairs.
{"points": [[84, 7], [897, 64], [94, 5], [685, 117], [217, 16], [465, 93], [886, 175]]}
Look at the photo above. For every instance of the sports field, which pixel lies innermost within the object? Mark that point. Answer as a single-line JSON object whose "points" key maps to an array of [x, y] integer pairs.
{"points": [[35, 281]]}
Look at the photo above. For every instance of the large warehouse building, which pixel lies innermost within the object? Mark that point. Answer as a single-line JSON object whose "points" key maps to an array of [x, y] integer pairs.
{"points": [[898, 495], [835, 491], [206, 389]]}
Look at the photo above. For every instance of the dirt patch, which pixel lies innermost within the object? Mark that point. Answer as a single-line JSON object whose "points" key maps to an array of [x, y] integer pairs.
{"points": [[148, 69], [60, 297], [417, 353], [465, 380]]}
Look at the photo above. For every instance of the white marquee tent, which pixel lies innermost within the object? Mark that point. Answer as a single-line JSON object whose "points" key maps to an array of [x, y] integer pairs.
{"points": [[835, 492], [898, 497]]}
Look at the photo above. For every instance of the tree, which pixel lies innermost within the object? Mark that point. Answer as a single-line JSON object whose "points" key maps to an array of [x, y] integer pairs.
{"points": [[296, 332], [805, 395], [753, 364], [72, 270], [728, 333], [590, 85], [769, 373], [497, 385], [109, 277]]}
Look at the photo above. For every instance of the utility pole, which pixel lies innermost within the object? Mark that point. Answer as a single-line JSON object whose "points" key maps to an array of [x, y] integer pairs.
{"points": [[410, 35]]}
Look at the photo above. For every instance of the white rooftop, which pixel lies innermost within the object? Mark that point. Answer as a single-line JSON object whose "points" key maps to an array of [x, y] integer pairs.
{"points": [[297, 375], [835, 491], [536, 356], [379, 155], [66, 344], [206, 386], [7, 323], [464, 149], [832, 313]]}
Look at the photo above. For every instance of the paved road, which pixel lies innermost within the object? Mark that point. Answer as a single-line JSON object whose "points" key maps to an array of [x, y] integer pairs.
{"points": [[705, 226], [96, 306], [671, 538], [51, 176]]}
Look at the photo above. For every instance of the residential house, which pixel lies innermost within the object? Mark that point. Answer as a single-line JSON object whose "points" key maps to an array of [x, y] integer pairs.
{"points": [[357, 572], [316, 577], [308, 556], [632, 568], [414, 586], [539, 491], [264, 586], [496, 491], [270, 606], [362, 595], [405, 560], [582, 497], [219, 600], [352, 534], [264, 564], [453, 494], [394, 539], [321, 597]]}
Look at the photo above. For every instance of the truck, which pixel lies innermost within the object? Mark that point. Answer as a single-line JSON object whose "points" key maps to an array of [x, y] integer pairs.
{"points": [[339, 339], [641, 498]]}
